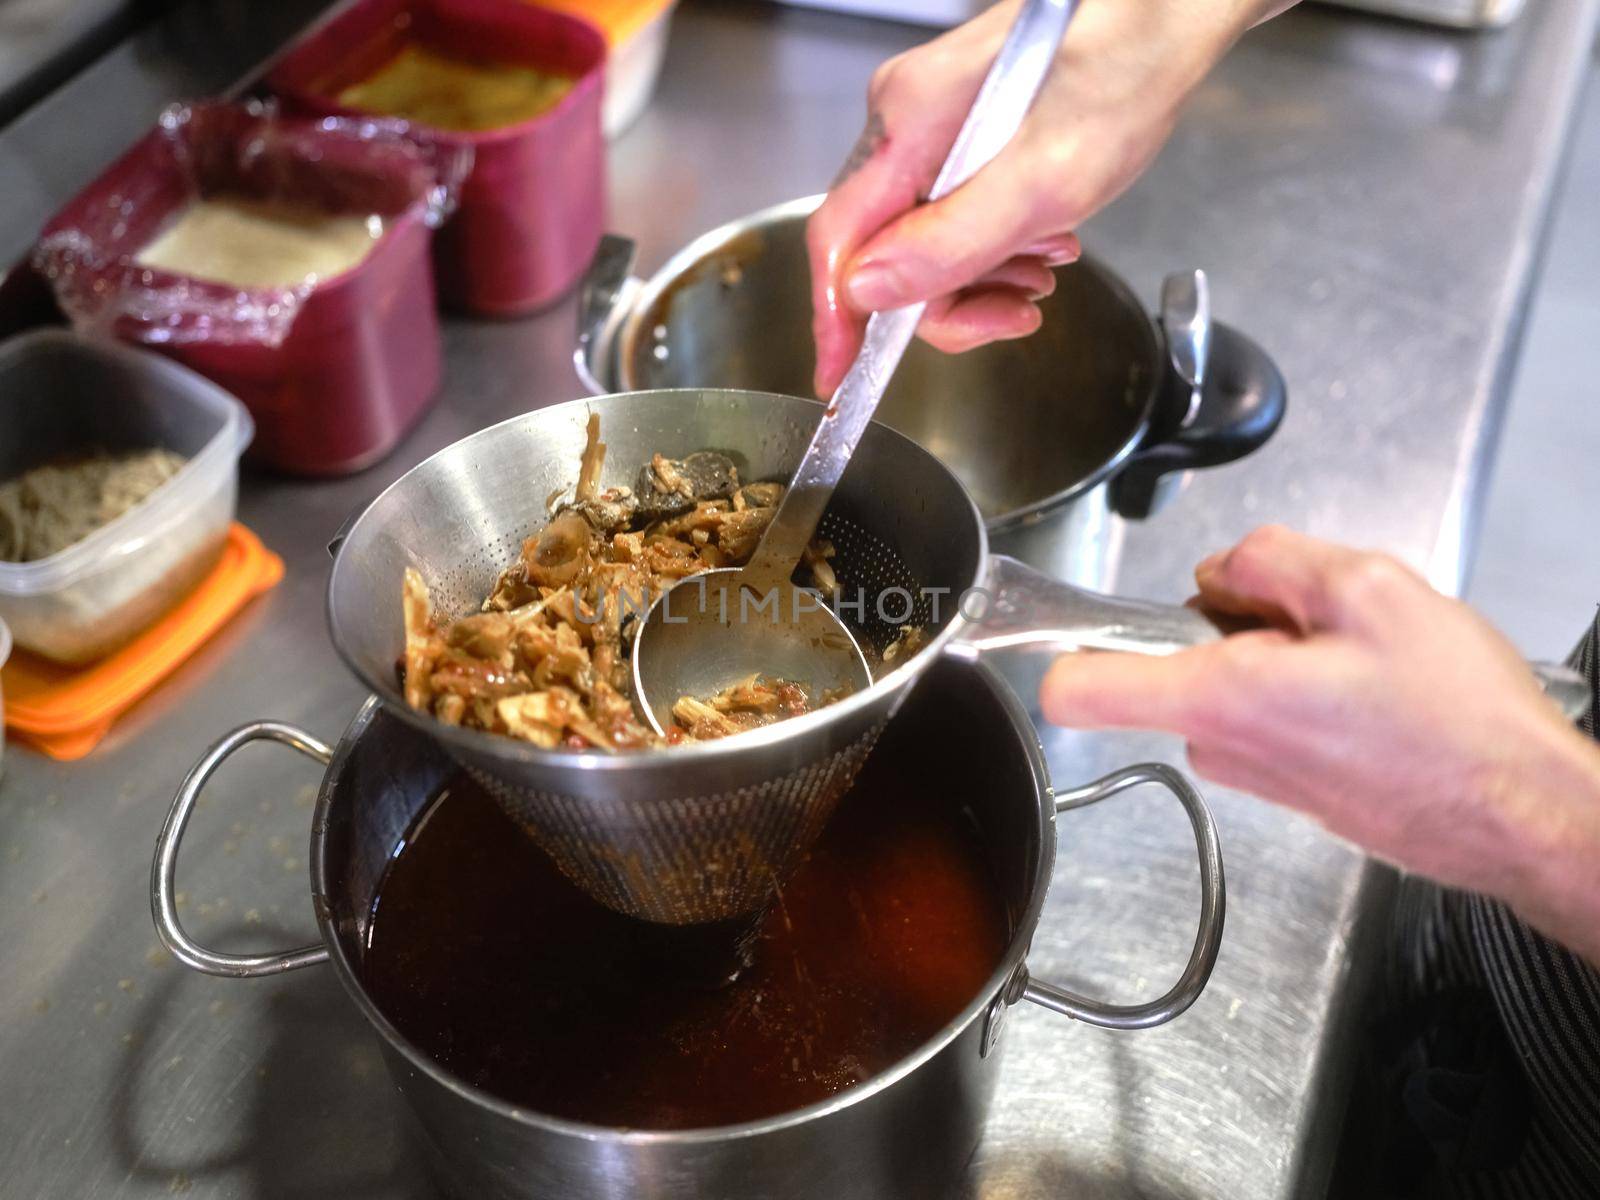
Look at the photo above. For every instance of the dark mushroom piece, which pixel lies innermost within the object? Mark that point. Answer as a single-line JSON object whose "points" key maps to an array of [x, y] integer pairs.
{"points": [[668, 487]]}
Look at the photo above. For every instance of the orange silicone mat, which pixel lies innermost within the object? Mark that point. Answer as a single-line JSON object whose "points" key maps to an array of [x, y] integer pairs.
{"points": [[66, 711]]}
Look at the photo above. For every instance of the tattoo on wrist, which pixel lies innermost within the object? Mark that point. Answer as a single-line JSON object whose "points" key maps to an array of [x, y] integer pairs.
{"points": [[872, 137]]}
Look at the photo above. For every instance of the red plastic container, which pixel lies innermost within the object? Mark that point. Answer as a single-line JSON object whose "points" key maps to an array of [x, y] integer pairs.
{"points": [[360, 358], [533, 209]]}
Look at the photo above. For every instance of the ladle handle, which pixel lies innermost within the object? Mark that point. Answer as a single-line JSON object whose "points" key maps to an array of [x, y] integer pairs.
{"points": [[1024, 607], [164, 870], [997, 113], [1213, 907]]}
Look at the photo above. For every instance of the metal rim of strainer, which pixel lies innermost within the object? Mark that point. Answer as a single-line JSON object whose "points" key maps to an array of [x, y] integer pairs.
{"points": [[754, 741]]}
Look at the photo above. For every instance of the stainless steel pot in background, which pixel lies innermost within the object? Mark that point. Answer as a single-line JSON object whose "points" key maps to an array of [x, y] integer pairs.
{"points": [[906, 1134], [1094, 417]]}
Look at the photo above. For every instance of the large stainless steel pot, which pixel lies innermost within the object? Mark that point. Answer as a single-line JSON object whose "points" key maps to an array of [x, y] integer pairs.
{"points": [[1097, 414], [907, 1133]]}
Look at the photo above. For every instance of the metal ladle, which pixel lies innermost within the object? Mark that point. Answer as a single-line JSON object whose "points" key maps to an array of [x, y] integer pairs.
{"points": [[713, 629]]}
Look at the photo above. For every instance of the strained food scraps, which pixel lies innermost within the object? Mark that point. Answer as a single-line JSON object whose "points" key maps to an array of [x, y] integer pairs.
{"points": [[546, 660]]}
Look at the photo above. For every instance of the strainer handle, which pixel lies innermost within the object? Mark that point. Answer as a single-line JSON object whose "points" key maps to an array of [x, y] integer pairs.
{"points": [[1019, 606], [1213, 905], [164, 870]]}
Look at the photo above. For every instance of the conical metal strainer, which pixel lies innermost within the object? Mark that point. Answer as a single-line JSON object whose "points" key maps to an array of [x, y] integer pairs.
{"points": [[703, 832]]}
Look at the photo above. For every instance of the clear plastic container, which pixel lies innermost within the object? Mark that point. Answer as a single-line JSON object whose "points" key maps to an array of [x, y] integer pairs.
{"points": [[62, 393]]}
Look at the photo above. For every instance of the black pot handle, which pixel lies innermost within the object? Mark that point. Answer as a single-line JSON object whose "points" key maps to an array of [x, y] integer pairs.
{"points": [[1241, 403]]}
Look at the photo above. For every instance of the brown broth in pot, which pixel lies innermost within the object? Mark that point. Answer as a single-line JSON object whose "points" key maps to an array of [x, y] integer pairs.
{"points": [[489, 961]]}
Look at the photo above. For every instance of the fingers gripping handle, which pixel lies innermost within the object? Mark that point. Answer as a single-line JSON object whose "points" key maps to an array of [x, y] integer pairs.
{"points": [[164, 870], [1213, 906], [1007, 92], [1020, 606], [1003, 101]]}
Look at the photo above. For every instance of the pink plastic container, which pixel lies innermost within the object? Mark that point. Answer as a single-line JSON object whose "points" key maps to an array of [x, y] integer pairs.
{"points": [[533, 209], [333, 374]]}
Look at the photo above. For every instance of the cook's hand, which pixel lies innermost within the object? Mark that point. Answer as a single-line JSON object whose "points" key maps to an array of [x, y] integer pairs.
{"points": [[1395, 716], [982, 256]]}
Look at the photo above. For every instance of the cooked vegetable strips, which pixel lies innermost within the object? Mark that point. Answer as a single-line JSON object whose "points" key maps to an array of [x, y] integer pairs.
{"points": [[594, 457], [546, 660], [748, 704]]}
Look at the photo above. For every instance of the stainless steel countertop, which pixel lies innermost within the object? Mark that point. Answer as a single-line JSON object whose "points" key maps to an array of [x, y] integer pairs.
{"points": [[1368, 198], [41, 40]]}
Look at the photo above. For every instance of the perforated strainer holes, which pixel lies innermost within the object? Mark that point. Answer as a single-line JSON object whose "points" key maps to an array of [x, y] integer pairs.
{"points": [[870, 570], [685, 859], [460, 592]]}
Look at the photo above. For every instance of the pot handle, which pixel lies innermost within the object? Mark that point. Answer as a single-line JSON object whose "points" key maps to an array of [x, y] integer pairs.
{"points": [[603, 302], [1221, 398], [1213, 908], [164, 870]]}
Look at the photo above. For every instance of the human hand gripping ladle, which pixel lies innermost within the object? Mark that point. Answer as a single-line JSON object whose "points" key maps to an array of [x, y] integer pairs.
{"points": [[711, 630], [751, 620]]}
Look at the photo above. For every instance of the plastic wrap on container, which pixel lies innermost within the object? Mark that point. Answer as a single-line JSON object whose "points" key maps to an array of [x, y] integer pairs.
{"points": [[335, 164]]}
